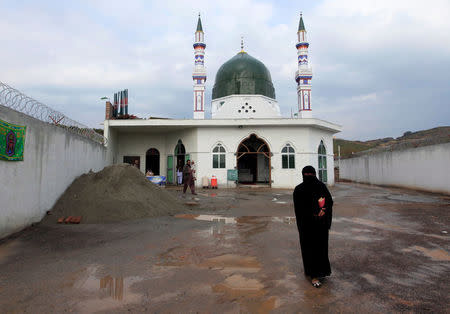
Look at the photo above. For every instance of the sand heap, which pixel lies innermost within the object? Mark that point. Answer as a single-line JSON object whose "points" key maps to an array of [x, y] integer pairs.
{"points": [[117, 193]]}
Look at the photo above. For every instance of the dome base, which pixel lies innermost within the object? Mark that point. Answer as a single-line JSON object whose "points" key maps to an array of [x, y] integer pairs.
{"points": [[245, 107]]}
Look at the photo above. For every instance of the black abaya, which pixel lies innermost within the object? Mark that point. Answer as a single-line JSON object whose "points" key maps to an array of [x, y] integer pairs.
{"points": [[313, 230]]}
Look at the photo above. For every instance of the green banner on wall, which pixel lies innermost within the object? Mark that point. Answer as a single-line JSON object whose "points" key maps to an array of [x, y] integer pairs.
{"points": [[12, 141]]}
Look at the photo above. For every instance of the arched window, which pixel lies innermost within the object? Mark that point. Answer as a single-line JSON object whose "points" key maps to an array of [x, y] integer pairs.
{"points": [[219, 156], [152, 161], [322, 152], [288, 157]]}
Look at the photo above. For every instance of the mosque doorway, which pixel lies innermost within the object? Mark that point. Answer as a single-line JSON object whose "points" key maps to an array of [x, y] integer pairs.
{"points": [[152, 161], [175, 161], [180, 154], [253, 161]]}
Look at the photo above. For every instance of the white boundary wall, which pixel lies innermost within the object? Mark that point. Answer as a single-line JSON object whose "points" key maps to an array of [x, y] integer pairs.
{"points": [[53, 158], [424, 168]]}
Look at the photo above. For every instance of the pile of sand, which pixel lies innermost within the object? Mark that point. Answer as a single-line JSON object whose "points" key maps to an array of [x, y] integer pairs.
{"points": [[117, 193]]}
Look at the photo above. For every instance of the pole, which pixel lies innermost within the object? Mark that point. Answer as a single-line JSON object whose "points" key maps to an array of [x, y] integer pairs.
{"points": [[339, 157], [126, 101]]}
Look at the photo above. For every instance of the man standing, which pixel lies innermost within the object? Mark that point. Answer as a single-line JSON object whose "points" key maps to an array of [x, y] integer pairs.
{"points": [[194, 177], [313, 211], [188, 178]]}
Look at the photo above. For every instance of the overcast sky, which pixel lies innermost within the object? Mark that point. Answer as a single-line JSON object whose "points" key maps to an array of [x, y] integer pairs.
{"points": [[380, 68]]}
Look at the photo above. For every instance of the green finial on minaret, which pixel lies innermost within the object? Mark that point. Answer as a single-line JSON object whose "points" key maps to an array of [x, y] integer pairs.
{"points": [[301, 26], [199, 24]]}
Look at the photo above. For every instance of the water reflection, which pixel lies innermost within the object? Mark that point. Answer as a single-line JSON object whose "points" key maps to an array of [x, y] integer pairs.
{"points": [[107, 292], [113, 286]]}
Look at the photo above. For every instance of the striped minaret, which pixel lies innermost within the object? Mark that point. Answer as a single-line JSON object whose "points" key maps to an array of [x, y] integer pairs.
{"points": [[303, 75], [126, 100], [199, 73], [121, 102]]}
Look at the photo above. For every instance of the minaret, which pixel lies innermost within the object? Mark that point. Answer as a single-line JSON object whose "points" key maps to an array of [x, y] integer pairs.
{"points": [[303, 75], [199, 74]]}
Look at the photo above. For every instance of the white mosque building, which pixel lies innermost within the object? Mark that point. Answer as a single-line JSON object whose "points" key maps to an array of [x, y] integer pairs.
{"points": [[246, 133]]}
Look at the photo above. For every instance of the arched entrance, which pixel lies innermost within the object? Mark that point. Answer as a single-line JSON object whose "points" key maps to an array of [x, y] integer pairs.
{"points": [[152, 161], [180, 154], [253, 161], [176, 160]]}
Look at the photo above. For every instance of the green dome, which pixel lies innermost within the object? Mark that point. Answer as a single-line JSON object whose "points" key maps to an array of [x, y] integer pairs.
{"points": [[243, 74]]}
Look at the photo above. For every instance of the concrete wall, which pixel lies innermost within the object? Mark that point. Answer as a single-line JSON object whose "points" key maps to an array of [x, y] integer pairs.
{"points": [[53, 158], [424, 168]]}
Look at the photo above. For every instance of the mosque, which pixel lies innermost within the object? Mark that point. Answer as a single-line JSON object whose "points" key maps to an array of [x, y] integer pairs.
{"points": [[246, 134]]}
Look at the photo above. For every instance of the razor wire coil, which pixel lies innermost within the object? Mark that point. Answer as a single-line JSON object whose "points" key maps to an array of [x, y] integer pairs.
{"points": [[14, 99]]}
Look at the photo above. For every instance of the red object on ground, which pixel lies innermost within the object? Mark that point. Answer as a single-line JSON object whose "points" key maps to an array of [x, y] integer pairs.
{"points": [[214, 182], [68, 219], [61, 220], [75, 220], [321, 202]]}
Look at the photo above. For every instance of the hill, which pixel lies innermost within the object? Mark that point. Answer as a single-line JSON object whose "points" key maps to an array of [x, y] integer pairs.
{"points": [[408, 139]]}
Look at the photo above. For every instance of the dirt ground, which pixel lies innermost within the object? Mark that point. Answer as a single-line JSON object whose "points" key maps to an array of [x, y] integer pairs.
{"points": [[237, 251]]}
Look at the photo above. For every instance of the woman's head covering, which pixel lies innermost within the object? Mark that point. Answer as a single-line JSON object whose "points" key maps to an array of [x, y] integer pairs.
{"points": [[311, 174], [308, 169]]}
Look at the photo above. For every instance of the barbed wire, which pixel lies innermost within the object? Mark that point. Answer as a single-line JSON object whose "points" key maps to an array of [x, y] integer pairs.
{"points": [[14, 99]]}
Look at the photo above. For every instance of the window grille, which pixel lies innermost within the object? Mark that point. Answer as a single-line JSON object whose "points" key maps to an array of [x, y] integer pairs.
{"points": [[288, 157], [218, 156], [322, 152]]}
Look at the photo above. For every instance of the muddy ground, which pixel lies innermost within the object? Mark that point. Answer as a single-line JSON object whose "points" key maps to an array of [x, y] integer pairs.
{"points": [[237, 251]]}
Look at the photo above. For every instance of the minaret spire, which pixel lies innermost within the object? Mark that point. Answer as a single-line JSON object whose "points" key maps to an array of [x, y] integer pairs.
{"points": [[199, 24], [242, 44], [301, 25], [303, 75], [199, 73]]}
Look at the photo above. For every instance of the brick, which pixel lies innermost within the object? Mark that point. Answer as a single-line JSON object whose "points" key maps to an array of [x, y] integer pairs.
{"points": [[76, 220]]}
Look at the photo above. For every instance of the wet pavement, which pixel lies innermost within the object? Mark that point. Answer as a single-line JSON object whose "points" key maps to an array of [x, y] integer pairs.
{"points": [[238, 251]]}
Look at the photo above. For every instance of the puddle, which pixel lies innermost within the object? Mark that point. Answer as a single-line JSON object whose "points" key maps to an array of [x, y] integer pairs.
{"points": [[338, 233], [364, 238], [234, 220], [229, 263], [287, 219], [249, 292], [186, 216], [107, 292], [371, 223], [361, 230], [238, 285], [434, 254], [382, 225], [216, 218], [359, 237], [413, 198]]}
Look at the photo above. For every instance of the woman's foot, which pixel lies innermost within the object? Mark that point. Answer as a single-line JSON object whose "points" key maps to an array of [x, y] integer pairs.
{"points": [[316, 282]]}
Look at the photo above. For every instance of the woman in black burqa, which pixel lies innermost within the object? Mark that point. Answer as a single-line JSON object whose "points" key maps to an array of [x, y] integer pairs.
{"points": [[313, 223]]}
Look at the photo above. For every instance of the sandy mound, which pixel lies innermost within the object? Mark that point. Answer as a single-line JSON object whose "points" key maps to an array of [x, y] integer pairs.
{"points": [[117, 193]]}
